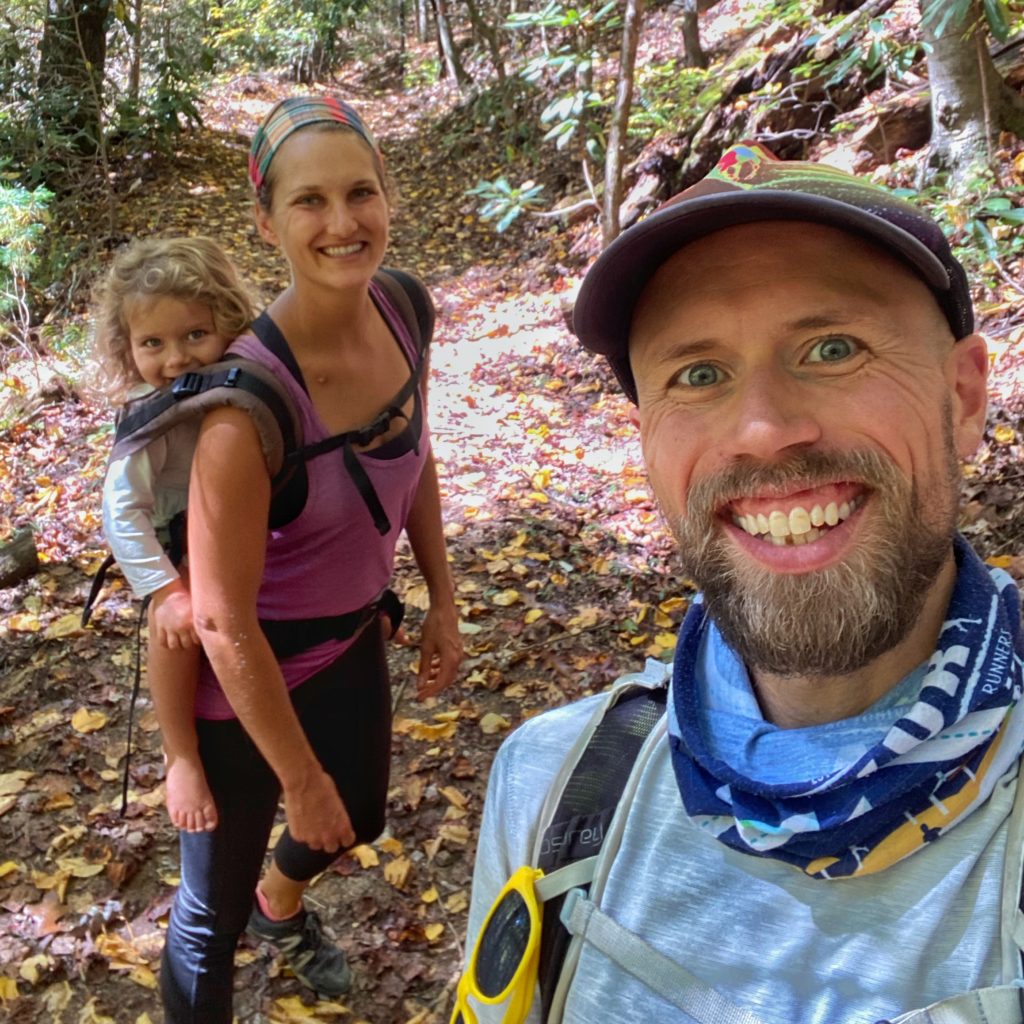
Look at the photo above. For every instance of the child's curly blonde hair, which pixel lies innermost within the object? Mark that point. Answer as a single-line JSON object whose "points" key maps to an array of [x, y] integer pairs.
{"points": [[192, 269]]}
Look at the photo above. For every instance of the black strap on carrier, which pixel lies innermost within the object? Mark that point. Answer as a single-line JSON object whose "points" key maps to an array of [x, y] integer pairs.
{"points": [[585, 809]]}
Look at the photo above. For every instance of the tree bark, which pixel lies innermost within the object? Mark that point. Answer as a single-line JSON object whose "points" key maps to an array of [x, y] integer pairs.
{"points": [[694, 54], [620, 122], [489, 35], [970, 102], [452, 63], [18, 558], [72, 56], [135, 73]]}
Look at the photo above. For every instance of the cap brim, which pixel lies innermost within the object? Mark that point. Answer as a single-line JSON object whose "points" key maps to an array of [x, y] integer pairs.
{"points": [[603, 312]]}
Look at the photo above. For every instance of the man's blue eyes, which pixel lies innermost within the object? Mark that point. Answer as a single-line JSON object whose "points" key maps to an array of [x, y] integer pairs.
{"points": [[831, 350], [702, 375]]}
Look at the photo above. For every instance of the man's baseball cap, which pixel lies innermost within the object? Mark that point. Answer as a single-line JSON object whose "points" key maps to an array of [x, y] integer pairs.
{"points": [[751, 184]]}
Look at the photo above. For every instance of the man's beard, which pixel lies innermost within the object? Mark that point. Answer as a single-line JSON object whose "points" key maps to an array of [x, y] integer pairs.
{"points": [[831, 621]]}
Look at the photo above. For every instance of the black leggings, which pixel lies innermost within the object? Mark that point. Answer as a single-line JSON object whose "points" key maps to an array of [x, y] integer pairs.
{"points": [[346, 713]]}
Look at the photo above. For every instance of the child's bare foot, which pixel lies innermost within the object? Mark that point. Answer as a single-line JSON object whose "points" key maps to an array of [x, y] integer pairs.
{"points": [[189, 800]]}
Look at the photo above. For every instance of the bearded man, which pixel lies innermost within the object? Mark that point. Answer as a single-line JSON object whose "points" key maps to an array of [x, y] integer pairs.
{"points": [[822, 828]]}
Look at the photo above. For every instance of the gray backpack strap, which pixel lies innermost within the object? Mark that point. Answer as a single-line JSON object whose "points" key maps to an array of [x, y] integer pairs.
{"points": [[673, 982], [1012, 912], [999, 1005], [242, 383]]}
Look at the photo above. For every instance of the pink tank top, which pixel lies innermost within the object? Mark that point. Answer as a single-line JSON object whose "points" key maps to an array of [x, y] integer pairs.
{"points": [[331, 559]]}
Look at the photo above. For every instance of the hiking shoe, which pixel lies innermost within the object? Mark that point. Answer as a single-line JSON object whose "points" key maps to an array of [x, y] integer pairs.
{"points": [[312, 957]]}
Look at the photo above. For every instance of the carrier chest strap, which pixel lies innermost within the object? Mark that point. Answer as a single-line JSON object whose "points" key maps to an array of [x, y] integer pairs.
{"points": [[270, 334], [673, 982]]}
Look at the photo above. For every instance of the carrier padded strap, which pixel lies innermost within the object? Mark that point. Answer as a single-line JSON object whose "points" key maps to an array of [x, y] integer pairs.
{"points": [[242, 383], [673, 982], [413, 301]]}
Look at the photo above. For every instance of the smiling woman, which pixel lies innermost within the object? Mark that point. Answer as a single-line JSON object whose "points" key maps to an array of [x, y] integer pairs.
{"points": [[307, 720]]}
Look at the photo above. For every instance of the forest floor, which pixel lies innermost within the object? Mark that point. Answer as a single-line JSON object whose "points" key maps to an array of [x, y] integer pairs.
{"points": [[565, 580]]}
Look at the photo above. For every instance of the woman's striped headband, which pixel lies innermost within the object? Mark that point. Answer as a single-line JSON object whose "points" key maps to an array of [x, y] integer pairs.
{"points": [[294, 113]]}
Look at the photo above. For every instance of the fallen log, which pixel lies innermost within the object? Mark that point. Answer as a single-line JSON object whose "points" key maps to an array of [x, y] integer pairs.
{"points": [[19, 558]]}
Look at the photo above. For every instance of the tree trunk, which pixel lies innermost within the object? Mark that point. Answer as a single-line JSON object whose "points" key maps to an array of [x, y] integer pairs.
{"points": [[688, 21], [486, 32], [620, 122], [970, 102], [135, 72], [422, 20], [453, 65], [72, 56], [18, 558]]}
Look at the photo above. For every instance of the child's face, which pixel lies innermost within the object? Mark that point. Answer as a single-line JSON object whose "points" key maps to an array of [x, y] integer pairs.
{"points": [[170, 336]]}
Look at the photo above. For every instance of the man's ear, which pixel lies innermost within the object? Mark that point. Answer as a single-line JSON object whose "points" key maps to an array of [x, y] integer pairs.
{"points": [[262, 218], [967, 368]]}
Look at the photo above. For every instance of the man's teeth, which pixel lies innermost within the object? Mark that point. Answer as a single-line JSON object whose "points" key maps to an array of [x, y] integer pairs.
{"points": [[342, 250], [799, 525]]}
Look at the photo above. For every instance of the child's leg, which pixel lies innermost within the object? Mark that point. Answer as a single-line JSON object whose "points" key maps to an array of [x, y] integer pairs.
{"points": [[173, 679]]}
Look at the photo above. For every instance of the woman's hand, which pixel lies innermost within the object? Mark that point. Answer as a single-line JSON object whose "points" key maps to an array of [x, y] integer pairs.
{"points": [[317, 815], [440, 650]]}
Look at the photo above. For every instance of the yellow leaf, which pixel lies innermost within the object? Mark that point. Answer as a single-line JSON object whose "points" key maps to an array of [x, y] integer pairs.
{"points": [[78, 867], [290, 1008], [640, 638], [143, 1018], [24, 622], [457, 902], [434, 931], [506, 598], [453, 796], [673, 604], [8, 867], [667, 641], [84, 720], [587, 617], [366, 855], [143, 976], [493, 722], [1004, 434], [532, 615], [90, 1015], [441, 731], [31, 968], [8, 989], [66, 625], [391, 845], [539, 497], [397, 871], [1000, 561], [58, 881], [455, 833], [14, 782], [430, 895]]}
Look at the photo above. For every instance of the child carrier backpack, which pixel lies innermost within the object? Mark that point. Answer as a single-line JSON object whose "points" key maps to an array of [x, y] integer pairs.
{"points": [[253, 387], [582, 821]]}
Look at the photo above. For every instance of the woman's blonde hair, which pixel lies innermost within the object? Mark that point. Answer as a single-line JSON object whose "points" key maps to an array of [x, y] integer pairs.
{"points": [[192, 269]]}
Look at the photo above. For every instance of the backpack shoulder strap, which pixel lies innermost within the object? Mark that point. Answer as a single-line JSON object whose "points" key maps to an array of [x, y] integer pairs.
{"points": [[242, 383], [413, 301], [576, 828]]}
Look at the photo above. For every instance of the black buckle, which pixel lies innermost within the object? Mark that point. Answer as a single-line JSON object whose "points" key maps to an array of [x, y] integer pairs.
{"points": [[187, 384], [231, 380], [364, 435]]}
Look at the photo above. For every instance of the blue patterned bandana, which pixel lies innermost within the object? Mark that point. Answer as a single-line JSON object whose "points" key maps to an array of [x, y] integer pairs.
{"points": [[937, 762]]}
